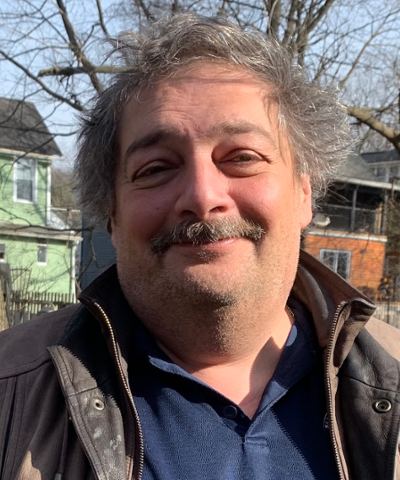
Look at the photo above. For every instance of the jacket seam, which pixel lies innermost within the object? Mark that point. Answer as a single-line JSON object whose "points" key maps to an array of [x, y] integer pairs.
{"points": [[36, 364], [77, 392], [382, 389], [16, 423]]}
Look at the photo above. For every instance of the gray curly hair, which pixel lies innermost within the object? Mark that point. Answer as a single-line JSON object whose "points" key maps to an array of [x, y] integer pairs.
{"points": [[314, 119]]}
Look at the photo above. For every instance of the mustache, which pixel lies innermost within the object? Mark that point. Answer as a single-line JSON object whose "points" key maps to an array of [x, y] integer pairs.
{"points": [[201, 232]]}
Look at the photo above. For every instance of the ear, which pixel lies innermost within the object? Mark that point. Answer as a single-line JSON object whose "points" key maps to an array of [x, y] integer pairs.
{"points": [[305, 200], [112, 228]]}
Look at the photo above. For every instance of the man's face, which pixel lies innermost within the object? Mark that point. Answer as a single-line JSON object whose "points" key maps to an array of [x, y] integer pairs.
{"points": [[205, 146]]}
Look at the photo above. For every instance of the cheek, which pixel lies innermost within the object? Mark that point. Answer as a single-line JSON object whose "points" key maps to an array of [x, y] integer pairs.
{"points": [[275, 205], [261, 201], [140, 215]]}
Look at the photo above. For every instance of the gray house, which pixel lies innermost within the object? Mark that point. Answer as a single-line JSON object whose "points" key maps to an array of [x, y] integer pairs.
{"points": [[385, 165]]}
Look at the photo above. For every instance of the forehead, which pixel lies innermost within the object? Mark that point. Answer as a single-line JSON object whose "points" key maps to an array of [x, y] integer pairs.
{"points": [[200, 99], [196, 79]]}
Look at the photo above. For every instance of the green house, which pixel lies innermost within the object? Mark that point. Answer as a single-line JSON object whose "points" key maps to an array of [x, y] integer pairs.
{"points": [[37, 247]]}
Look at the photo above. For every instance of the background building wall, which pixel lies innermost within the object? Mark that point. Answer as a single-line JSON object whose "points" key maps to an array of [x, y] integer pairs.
{"points": [[54, 276], [19, 212], [367, 256]]}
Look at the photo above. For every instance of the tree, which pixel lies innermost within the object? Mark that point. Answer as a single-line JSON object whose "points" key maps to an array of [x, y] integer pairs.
{"points": [[62, 189], [52, 50]]}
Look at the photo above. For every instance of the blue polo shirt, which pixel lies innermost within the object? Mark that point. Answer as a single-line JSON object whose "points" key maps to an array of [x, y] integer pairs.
{"points": [[192, 432]]}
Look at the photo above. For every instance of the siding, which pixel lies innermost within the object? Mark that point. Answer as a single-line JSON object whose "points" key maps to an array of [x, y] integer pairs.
{"points": [[20, 212], [54, 276]]}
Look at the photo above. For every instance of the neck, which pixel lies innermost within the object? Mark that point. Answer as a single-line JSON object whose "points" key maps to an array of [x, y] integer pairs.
{"points": [[239, 365]]}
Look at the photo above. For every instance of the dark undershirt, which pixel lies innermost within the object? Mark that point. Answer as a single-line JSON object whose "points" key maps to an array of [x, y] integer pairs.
{"points": [[192, 432]]}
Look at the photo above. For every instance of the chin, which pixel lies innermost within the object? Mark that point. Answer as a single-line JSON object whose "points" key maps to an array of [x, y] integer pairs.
{"points": [[212, 289]]}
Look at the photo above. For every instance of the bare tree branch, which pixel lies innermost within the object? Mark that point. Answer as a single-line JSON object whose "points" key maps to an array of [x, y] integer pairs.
{"points": [[75, 47], [291, 23], [101, 19], [361, 53], [365, 115], [274, 13], [320, 14], [72, 103], [57, 71], [149, 16]]}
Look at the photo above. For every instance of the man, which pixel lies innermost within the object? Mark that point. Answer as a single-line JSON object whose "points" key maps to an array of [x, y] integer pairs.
{"points": [[209, 352]]}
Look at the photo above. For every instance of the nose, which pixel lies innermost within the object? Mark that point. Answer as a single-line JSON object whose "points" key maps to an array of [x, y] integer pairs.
{"points": [[203, 190]]}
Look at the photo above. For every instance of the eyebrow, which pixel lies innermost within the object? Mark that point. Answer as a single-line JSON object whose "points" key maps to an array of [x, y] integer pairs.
{"points": [[170, 132], [239, 128], [152, 139]]}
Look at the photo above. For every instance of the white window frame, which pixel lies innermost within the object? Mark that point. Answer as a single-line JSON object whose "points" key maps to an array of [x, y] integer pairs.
{"points": [[34, 181], [336, 256], [42, 242]]}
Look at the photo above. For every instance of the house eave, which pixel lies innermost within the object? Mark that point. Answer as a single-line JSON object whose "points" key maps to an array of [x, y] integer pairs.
{"points": [[18, 153], [38, 231], [368, 183], [348, 235]]}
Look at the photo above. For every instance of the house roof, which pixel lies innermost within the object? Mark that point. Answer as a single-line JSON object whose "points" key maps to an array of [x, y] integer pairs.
{"points": [[356, 170], [380, 157], [22, 128], [357, 167]]}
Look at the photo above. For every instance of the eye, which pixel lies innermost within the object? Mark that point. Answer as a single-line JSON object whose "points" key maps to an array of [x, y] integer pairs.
{"points": [[245, 157], [243, 163], [152, 174], [150, 170]]}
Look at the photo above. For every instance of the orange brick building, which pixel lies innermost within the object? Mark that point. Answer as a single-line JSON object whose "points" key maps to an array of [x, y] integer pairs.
{"points": [[348, 231], [363, 255]]}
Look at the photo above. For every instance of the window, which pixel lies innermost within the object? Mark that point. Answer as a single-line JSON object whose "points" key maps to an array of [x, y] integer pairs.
{"points": [[42, 251], [2, 252], [337, 260], [24, 180]]}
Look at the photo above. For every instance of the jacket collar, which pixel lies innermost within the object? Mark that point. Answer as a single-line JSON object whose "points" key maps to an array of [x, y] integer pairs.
{"points": [[339, 311], [105, 293]]}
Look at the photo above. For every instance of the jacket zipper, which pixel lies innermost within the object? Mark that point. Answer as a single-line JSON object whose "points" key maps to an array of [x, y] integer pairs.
{"points": [[329, 391], [127, 390]]}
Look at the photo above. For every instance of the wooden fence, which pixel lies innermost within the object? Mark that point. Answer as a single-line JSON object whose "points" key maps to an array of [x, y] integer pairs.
{"points": [[25, 305]]}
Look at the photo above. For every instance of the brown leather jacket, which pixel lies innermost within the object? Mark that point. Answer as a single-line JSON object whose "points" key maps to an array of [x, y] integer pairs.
{"points": [[66, 411]]}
